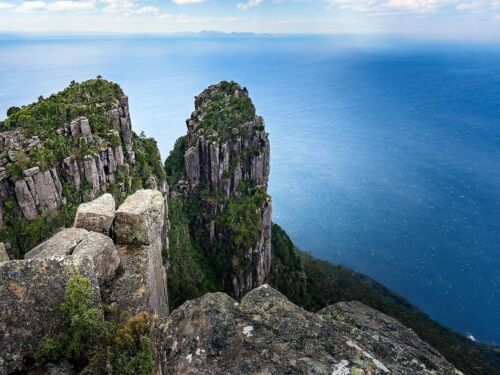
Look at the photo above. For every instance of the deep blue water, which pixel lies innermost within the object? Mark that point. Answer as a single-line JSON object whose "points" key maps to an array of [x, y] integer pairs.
{"points": [[385, 153]]}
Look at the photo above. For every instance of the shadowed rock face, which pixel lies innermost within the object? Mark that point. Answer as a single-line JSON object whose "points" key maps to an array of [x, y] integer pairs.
{"points": [[267, 334], [223, 156], [4, 257]]}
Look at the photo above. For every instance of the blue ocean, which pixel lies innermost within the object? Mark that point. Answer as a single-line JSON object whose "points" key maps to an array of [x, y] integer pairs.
{"points": [[385, 152]]}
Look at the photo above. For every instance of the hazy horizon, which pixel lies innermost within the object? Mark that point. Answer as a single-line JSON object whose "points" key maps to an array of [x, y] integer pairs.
{"points": [[449, 19]]}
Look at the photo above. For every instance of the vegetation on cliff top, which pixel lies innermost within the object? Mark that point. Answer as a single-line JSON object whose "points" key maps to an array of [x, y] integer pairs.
{"points": [[47, 116], [226, 107]]}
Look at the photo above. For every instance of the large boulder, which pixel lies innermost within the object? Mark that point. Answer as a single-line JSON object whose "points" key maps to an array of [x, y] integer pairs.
{"points": [[31, 293], [97, 215], [140, 219], [267, 334], [80, 243], [138, 230]]}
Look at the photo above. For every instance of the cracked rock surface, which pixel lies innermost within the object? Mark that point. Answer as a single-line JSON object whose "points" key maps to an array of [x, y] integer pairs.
{"points": [[267, 334]]}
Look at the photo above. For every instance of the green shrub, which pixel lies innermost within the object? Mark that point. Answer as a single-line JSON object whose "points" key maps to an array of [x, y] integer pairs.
{"points": [[84, 327], [119, 346]]}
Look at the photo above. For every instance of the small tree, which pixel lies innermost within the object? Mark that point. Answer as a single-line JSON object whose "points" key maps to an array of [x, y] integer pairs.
{"points": [[12, 110]]}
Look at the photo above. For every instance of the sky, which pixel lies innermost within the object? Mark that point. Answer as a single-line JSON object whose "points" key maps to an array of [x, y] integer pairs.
{"points": [[456, 19]]}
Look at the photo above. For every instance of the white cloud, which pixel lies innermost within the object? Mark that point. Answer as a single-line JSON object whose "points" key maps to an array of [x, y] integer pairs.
{"points": [[415, 5], [119, 6], [188, 1], [410, 6], [68, 5], [30, 6], [249, 4], [6, 5], [56, 6], [147, 10], [470, 6]]}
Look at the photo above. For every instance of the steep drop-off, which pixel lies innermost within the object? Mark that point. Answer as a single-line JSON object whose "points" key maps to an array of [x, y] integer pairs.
{"points": [[222, 170]]}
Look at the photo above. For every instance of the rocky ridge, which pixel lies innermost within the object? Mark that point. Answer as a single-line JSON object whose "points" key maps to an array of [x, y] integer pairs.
{"points": [[267, 334], [38, 191]]}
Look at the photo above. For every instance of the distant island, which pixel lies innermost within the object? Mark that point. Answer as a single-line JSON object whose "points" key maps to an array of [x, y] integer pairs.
{"points": [[175, 266]]}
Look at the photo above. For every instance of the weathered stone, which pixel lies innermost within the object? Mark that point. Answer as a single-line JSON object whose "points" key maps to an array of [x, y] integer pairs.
{"points": [[4, 257], [142, 284], [385, 338], [140, 219], [91, 172], [48, 190], [139, 232], [267, 334], [97, 215], [25, 200], [31, 293], [31, 172], [81, 127], [80, 243], [72, 171]]}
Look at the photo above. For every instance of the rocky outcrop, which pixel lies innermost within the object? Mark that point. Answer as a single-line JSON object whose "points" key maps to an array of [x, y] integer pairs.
{"points": [[31, 293], [129, 275], [97, 215], [267, 334], [138, 230], [80, 243], [226, 158]]}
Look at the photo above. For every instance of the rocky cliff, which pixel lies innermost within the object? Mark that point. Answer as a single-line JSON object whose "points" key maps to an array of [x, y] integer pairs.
{"points": [[226, 170], [65, 149]]}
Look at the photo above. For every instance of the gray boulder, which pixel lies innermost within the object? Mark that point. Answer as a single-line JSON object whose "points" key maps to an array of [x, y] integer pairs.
{"points": [[31, 293], [80, 243], [267, 334], [140, 219], [97, 215], [138, 230]]}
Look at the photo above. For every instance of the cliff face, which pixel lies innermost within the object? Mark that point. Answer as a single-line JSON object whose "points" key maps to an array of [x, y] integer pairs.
{"points": [[65, 149], [227, 168]]}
